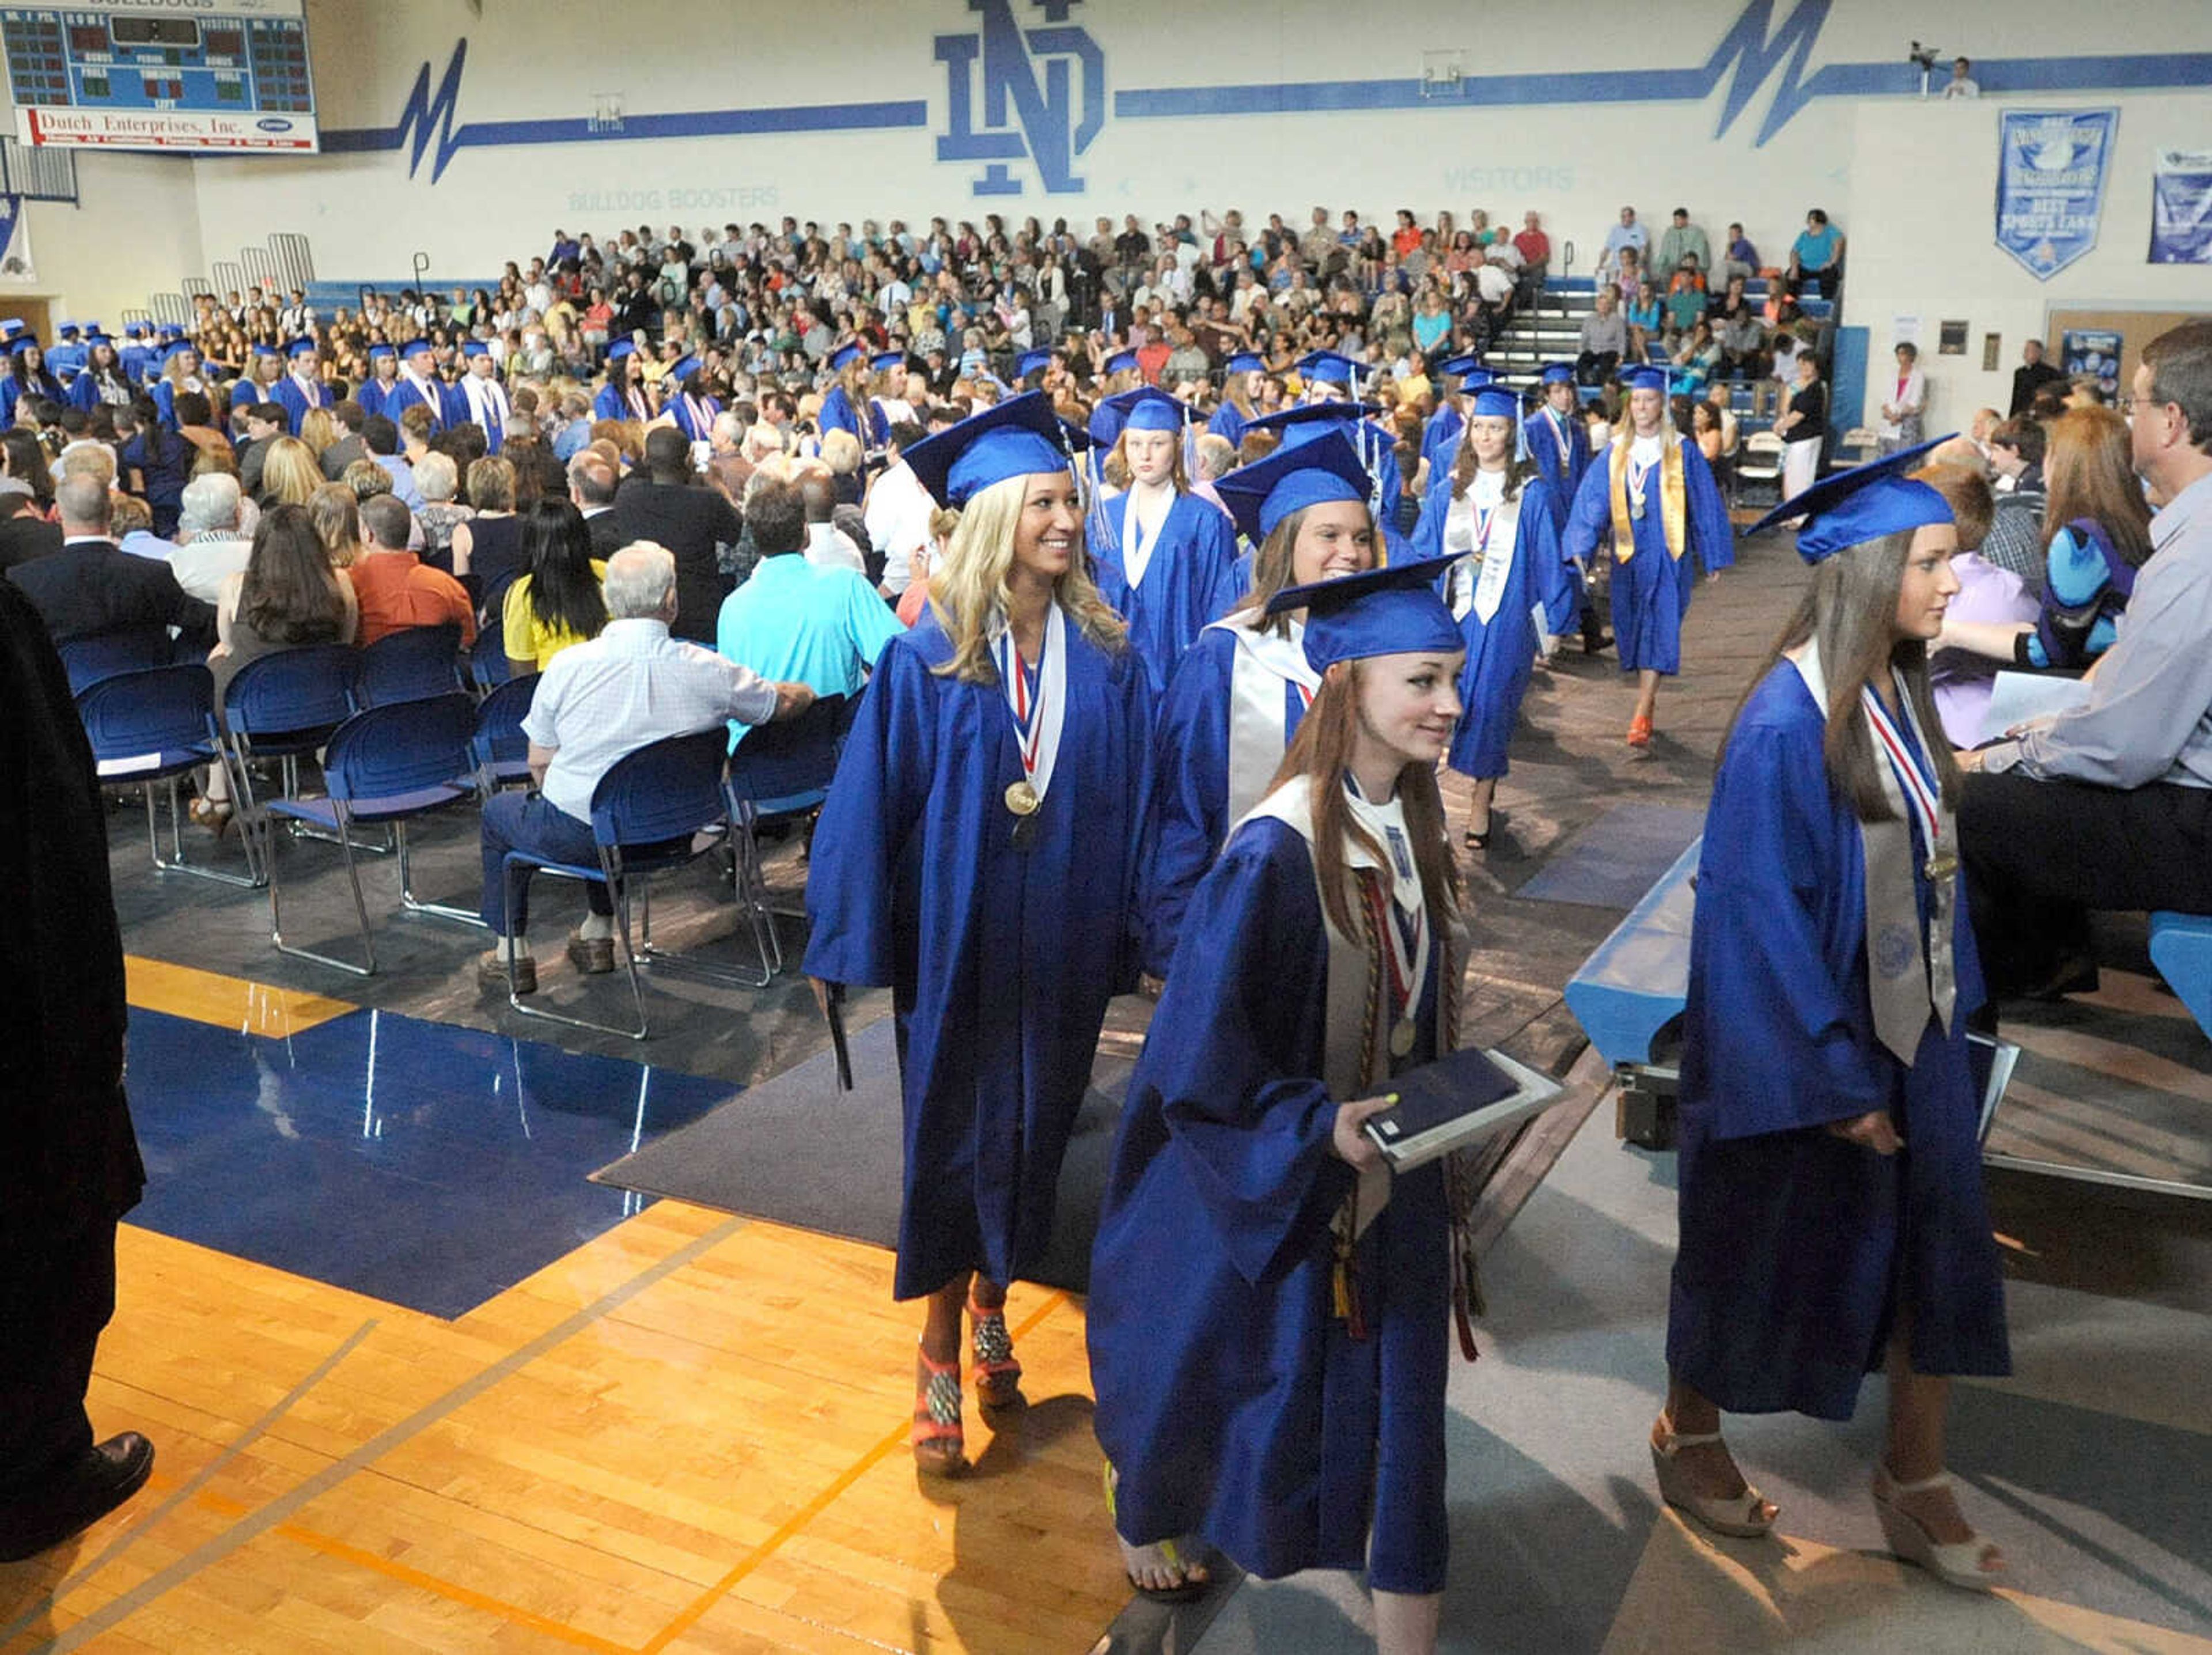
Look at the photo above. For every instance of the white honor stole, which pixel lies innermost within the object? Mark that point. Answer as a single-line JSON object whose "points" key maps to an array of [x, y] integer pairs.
{"points": [[1038, 722], [1137, 546], [1259, 732], [1910, 972]]}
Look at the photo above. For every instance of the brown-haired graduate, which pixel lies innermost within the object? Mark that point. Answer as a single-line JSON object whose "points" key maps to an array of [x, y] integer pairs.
{"points": [[1831, 1212], [978, 854], [1269, 1321]]}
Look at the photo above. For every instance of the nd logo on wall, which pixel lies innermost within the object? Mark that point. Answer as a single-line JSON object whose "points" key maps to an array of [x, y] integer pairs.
{"points": [[1040, 93]]}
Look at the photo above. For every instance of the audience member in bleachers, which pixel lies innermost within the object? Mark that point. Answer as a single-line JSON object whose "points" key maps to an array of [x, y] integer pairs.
{"points": [[597, 702], [1627, 234], [556, 602], [2096, 536], [90, 585], [1816, 256], [1738, 259], [69, 1162], [1803, 427], [1604, 340], [1682, 244], [2110, 806], [664, 505], [1907, 403], [1652, 492], [1832, 978], [397, 590]]}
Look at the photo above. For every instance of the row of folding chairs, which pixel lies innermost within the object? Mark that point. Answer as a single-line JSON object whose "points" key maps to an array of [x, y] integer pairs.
{"points": [[387, 762]]}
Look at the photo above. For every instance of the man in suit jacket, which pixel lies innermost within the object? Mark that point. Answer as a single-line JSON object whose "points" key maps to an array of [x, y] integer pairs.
{"points": [[24, 533], [69, 1161], [591, 485], [666, 507], [92, 585], [349, 446]]}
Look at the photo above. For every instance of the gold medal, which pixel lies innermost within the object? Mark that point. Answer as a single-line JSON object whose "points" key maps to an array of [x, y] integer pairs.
{"points": [[1021, 799], [1402, 1037], [1940, 867]]}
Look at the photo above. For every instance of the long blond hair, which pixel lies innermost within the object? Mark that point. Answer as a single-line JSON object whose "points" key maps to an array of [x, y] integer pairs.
{"points": [[971, 585], [1273, 568]]}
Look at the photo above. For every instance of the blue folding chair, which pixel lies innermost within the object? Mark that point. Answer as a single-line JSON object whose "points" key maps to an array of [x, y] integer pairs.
{"points": [[151, 727], [414, 664], [500, 749], [780, 773], [387, 764], [281, 706], [487, 655], [647, 812], [102, 655]]}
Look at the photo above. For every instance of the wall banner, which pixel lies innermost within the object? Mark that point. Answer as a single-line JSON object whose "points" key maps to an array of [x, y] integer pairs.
{"points": [[2052, 166], [2181, 207]]}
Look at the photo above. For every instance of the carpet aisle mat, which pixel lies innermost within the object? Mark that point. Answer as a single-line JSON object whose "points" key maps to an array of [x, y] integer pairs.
{"points": [[794, 1150], [1617, 858]]}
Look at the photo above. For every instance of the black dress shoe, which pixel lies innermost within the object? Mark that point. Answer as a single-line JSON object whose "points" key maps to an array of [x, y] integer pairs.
{"points": [[76, 1497]]}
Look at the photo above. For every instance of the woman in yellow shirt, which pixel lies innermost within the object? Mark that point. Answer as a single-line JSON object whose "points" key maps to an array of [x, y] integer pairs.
{"points": [[558, 602]]}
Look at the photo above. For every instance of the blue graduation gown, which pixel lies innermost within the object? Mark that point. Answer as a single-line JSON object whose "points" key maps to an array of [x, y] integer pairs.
{"points": [[371, 397], [43, 384], [1799, 1249], [1440, 438], [1540, 433], [296, 405], [1651, 591], [1500, 653], [1230, 1400], [697, 427], [402, 394], [838, 414], [1000, 961], [609, 403], [1227, 424], [1192, 579], [1189, 817]]}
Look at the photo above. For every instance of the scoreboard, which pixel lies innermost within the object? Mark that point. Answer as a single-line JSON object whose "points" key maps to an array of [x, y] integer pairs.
{"points": [[215, 76]]}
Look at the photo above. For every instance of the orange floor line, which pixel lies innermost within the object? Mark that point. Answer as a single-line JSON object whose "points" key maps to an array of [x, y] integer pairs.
{"points": [[798, 1520]]}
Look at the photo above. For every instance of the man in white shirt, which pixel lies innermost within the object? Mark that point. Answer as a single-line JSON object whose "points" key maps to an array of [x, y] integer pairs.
{"points": [[898, 512], [1962, 84], [827, 545], [485, 397], [597, 703]]}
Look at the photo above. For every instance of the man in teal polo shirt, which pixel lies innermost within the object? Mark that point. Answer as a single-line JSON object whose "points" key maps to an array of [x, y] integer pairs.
{"points": [[822, 627]]}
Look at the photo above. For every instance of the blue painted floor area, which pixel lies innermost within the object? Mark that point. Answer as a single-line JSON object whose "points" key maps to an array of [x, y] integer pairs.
{"points": [[425, 1164], [1616, 859]]}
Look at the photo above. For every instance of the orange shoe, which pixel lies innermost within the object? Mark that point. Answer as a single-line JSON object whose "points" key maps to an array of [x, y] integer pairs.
{"points": [[1639, 732], [938, 1442]]}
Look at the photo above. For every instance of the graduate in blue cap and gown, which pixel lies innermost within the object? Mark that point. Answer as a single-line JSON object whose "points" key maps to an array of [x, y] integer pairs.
{"points": [[1557, 439], [978, 854], [181, 371], [103, 381], [1457, 378], [849, 405], [691, 408], [1270, 1306], [135, 355], [625, 395], [1167, 559], [1235, 701], [1308, 421], [301, 390], [383, 375], [1652, 490], [1507, 585], [1831, 1213], [479, 399], [27, 375], [1029, 366], [1240, 398], [65, 361], [417, 385]]}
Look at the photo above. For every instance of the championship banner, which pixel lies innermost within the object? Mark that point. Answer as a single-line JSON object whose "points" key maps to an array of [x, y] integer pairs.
{"points": [[16, 242], [2181, 208], [2052, 166]]}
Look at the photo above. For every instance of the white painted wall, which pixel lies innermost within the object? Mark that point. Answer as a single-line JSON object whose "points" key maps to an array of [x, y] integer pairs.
{"points": [[1924, 208], [136, 227]]}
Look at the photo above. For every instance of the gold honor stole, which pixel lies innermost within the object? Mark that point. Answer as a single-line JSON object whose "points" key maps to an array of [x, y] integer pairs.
{"points": [[1673, 499]]}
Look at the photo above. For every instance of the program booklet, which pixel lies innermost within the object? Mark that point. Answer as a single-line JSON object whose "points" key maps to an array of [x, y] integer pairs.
{"points": [[1455, 1101]]}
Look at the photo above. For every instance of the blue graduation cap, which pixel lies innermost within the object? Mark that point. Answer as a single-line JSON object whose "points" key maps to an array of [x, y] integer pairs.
{"points": [[1244, 361], [1864, 503], [261, 350], [92, 330], [1122, 361], [840, 359], [1497, 402], [134, 330], [302, 346], [1146, 407], [376, 350], [1330, 368], [1645, 379], [423, 348], [1019, 437], [176, 349], [1476, 378], [475, 348], [1393, 610], [20, 343], [884, 360], [1558, 373], [1031, 361], [1312, 420], [1262, 494], [615, 351], [11, 327], [682, 371], [1462, 364], [66, 328]]}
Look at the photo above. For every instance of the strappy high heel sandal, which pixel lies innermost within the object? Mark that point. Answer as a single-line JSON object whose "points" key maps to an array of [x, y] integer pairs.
{"points": [[1956, 1563], [1737, 1516], [939, 1445], [998, 1374]]}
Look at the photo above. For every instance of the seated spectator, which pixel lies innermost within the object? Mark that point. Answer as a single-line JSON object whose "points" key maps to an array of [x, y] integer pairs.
{"points": [[1988, 596], [1986, 421], [2103, 807], [396, 589], [23, 458], [2096, 535], [485, 549], [25, 532], [1604, 339], [1817, 255], [1738, 260], [90, 585], [263, 424], [346, 445], [288, 596], [439, 481], [334, 509], [382, 437], [915, 597], [1628, 236], [632, 685], [794, 620], [555, 603], [1705, 426], [1645, 319], [209, 547], [1685, 302], [2015, 542], [664, 505], [290, 476], [1535, 249], [1698, 354], [131, 523], [1682, 246]]}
